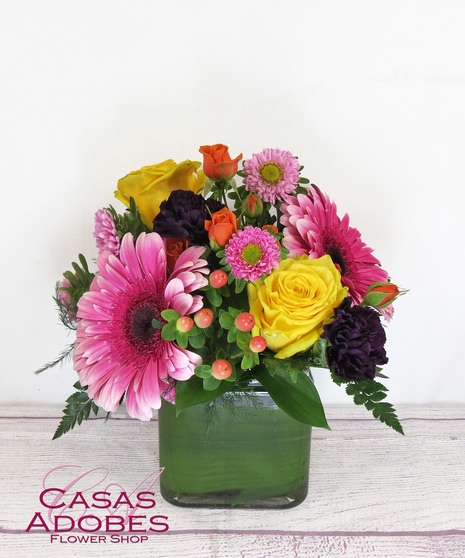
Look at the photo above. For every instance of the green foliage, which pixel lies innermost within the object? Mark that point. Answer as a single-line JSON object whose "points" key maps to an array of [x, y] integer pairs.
{"points": [[78, 409], [240, 285], [213, 296], [62, 357], [169, 332], [210, 383], [129, 222], [371, 394], [203, 371], [80, 280], [191, 392], [317, 355], [299, 399], [170, 315]]}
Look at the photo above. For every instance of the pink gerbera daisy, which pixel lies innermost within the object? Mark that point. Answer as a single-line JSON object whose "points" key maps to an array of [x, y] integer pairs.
{"points": [[271, 174], [105, 232], [117, 348], [251, 253], [312, 226]]}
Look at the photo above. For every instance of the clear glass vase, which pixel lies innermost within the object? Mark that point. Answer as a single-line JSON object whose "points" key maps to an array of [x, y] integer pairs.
{"points": [[239, 451]]}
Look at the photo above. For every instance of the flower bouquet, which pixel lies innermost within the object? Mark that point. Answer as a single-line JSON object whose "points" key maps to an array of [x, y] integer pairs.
{"points": [[207, 289]]}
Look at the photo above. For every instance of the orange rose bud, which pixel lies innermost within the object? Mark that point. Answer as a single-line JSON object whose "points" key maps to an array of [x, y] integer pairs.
{"points": [[174, 248], [272, 229], [221, 227], [217, 162], [252, 206], [380, 295]]}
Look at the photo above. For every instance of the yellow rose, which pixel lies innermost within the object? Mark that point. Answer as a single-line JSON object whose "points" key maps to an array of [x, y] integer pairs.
{"points": [[151, 185], [291, 305]]}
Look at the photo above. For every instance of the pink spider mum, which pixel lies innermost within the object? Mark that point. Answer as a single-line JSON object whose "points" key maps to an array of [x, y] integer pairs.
{"points": [[117, 348], [105, 232], [312, 226], [251, 253], [272, 174]]}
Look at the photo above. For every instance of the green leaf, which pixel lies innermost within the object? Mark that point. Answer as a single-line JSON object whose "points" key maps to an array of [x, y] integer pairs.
{"points": [[197, 341], [378, 374], [379, 396], [234, 312], [211, 383], [243, 340], [247, 361], [371, 394], [78, 409], [226, 320], [65, 354], [214, 297], [224, 291], [169, 332], [182, 339], [360, 399], [191, 392], [232, 335], [275, 365], [170, 315], [300, 400], [203, 371], [318, 353], [294, 374], [195, 330], [240, 285], [221, 354]]}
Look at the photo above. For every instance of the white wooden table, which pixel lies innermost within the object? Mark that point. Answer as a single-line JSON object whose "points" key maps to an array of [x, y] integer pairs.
{"points": [[372, 492]]}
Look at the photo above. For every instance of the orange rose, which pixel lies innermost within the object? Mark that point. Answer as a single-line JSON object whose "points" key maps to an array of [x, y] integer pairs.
{"points": [[222, 226], [217, 162], [174, 248]]}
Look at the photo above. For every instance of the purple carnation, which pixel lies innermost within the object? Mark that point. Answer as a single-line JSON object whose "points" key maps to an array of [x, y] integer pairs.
{"points": [[356, 342], [183, 215]]}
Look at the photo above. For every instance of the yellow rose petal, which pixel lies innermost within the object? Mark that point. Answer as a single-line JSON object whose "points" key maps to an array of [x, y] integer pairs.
{"points": [[291, 305]]}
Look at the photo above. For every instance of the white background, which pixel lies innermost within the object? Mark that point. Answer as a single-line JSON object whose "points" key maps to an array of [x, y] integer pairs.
{"points": [[368, 94]]}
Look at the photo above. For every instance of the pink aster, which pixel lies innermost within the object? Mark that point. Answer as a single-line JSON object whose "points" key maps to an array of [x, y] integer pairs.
{"points": [[251, 253], [312, 226], [117, 349], [272, 174], [105, 232]]}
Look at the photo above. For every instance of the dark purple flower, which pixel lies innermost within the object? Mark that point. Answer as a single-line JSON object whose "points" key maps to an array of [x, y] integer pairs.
{"points": [[183, 215], [356, 342]]}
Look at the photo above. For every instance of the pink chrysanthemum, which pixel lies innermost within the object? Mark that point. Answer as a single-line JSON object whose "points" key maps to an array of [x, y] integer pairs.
{"points": [[117, 348], [251, 253], [312, 226], [105, 232], [272, 174]]}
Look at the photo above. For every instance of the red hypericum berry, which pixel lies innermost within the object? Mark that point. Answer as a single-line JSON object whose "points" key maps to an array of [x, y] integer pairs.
{"points": [[257, 344], [245, 321], [218, 279], [221, 369], [184, 324], [203, 317]]}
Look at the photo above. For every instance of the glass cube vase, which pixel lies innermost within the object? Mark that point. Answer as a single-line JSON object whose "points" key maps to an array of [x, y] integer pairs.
{"points": [[238, 451]]}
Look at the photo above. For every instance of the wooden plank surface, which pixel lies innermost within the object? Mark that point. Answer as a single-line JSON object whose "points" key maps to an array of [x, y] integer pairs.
{"points": [[372, 492]]}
